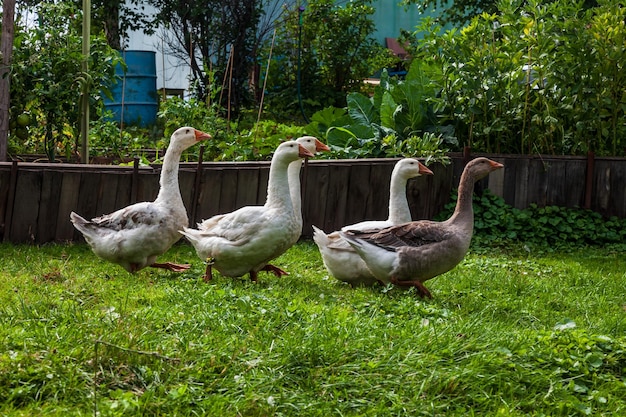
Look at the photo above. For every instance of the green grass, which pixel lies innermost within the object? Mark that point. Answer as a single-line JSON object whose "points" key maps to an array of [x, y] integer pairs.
{"points": [[508, 333]]}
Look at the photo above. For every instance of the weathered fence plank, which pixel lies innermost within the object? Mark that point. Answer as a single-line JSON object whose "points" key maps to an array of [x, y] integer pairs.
{"points": [[228, 193], [334, 193], [107, 195], [538, 177], [610, 188], [618, 191], [147, 185], [26, 207], [50, 197], [315, 195], [336, 197], [264, 176], [5, 182], [247, 187], [186, 180], [314, 188], [68, 202], [357, 193], [440, 186], [377, 205], [575, 173], [8, 216], [209, 196]]}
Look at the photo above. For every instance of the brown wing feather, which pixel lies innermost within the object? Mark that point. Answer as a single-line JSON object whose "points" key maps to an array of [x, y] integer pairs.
{"points": [[413, 234], [141, 214]]}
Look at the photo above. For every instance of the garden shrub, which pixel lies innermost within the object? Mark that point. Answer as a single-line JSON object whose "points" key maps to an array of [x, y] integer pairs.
{"points": [[536, 77], [47, 81], [496, 222]]}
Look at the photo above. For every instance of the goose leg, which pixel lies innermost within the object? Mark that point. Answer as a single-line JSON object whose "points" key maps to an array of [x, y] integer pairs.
{"points": [[208, 273], [274, 270], [422, 290], [171, 266], [269, 268], [253, 276]]}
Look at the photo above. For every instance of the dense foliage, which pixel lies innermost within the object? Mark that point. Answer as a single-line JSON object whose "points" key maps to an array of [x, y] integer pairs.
{"points": [[523, 80], [460, 12], [399, 118], [218, 40], [498, 223], [321, 52], [47, 80], [533, 78]]}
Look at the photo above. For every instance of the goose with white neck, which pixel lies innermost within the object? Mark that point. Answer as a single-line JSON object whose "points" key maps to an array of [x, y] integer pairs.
{"points": [[246, 240], [409, 254], [135, 236], [313, 145], [339, 258]]}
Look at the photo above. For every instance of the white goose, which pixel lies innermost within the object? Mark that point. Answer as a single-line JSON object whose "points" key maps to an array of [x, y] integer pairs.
{"points": [[311, 144], [339, 258], [134, 236], [411, 253], [244, 241]]}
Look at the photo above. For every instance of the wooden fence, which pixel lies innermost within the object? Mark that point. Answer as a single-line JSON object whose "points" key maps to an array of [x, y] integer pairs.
{"points": [[36, 198]]}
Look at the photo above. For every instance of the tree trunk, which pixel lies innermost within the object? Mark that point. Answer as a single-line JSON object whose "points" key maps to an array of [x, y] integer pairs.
{"points": [[6, 50], [112, 23]]}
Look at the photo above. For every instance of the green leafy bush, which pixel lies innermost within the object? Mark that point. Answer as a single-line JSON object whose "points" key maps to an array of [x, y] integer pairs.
{"points": [[235, 141], [399, 119], [497, 222], [47, 80], [321, 52], [536, 77]]}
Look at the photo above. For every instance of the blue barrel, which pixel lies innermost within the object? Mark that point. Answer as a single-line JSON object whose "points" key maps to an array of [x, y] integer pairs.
{"points": [[135, 98]]}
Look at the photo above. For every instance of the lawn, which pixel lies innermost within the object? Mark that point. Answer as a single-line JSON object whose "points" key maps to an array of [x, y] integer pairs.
{"points": [[509, 333]]}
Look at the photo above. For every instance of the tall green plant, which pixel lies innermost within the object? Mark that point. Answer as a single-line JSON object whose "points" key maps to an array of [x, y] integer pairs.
{"points": [[47, 77], [535, 77], [400, 118], [328, 49]]}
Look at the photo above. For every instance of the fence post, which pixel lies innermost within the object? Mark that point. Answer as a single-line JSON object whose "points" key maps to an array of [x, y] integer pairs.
{"points": [[8, 215], [196, 188], [467, 154], [589, 179], [134, 184]]}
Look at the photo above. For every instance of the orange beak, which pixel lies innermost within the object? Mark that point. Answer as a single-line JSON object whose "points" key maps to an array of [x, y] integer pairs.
{"points": [[202, 136], [495, 165], [303, 152], [424, 170], [319, 146]]}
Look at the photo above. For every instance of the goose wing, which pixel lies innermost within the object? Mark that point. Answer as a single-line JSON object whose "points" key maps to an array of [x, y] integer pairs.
{"points": [[413, 234]]}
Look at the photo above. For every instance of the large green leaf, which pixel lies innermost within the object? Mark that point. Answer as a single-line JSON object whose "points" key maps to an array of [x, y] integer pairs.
{"points": [[362, 110], [341, 137], [388, 107], [410, 114]]}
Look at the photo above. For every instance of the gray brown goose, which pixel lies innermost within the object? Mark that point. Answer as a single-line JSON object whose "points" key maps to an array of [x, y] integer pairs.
{"points": [[411, 253]]}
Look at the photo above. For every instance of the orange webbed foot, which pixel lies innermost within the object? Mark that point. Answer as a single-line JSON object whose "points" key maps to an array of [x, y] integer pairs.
{"points": [[274, 270], [171, 266], [418, 285]]}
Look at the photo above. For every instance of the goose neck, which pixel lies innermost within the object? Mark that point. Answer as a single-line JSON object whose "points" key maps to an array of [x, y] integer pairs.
{"points": [[399, 211], [464, 211], [168, 181], [278, 192], [294, 187]]}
